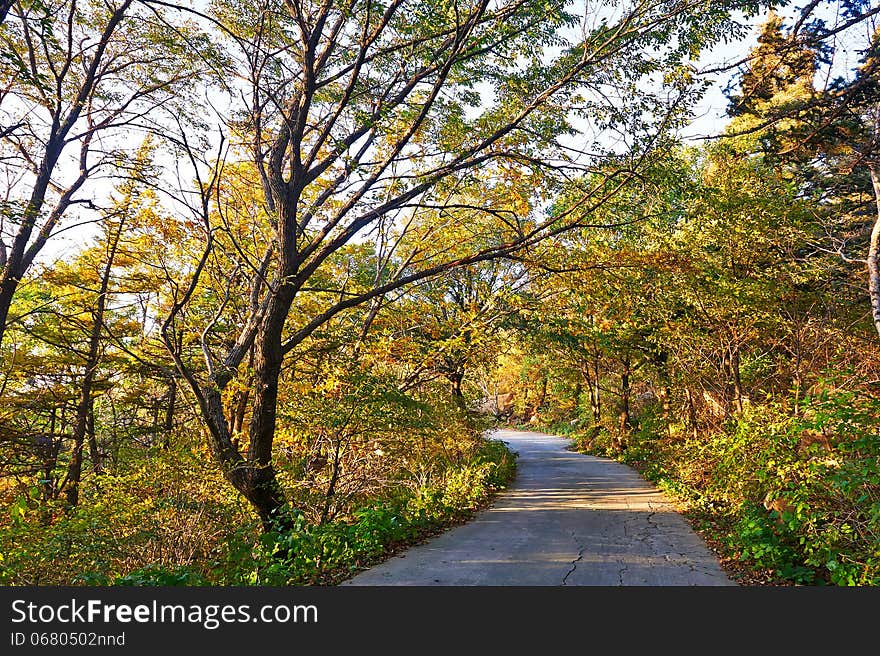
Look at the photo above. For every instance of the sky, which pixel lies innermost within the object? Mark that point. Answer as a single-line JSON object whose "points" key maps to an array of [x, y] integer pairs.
{"points": [[711, 113]]}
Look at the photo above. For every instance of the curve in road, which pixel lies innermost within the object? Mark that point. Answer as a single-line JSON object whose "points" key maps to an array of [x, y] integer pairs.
{"points": [[568, 519]]}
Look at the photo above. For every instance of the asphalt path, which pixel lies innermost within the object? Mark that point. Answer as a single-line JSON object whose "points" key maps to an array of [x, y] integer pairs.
{"points": [[567, 519]]}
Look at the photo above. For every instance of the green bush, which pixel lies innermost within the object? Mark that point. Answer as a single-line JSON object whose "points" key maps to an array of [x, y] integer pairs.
{"points": [[797, 494], [760, 540], [308, 554], [153, 576], [174, 521]]}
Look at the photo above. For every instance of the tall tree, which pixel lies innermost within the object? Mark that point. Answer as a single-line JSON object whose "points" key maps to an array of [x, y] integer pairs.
{"points": [[113, 226], [826, 134], [362, 114], [75, 76]]}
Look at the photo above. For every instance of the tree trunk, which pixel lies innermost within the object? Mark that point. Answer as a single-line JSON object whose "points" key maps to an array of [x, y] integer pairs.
{"points": [[168, 424], [334, 479], [74, 467], [625, 425], [732, 393], [259, 485], [94, 452], [542, 394], [455, 380], [692, 412], [14, 264], [8, 285], [590, 372], [797, 352], [257, 481], [84, 407], [157, 404], [239, 405], [5, 6], [664, 391], [49, 457], [874, 252], [239, 411], [737, 378]]}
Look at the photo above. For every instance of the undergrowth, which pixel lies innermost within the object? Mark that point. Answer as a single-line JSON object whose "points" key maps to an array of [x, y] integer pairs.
{"points": [[154, 526], [787, 498]]}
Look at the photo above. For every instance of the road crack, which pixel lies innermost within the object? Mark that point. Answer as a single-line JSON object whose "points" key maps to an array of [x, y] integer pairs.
{"points": [[581, 549]]}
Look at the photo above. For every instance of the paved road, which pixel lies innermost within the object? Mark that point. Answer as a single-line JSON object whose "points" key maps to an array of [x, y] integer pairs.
{"points": [[568, 519]]}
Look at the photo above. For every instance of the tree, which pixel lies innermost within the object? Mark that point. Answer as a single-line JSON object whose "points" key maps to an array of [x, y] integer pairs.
{"points": [[113, 227], [79, 317], [461, 320], [360, 115], [859, 104], [830, 133], [75, 77], [780, 66]]}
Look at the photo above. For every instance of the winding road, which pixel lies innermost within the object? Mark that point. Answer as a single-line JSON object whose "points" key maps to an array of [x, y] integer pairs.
{"points": [[568, 519]]}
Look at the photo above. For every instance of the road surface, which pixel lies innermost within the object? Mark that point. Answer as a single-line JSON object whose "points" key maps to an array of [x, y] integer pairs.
{"points": [[568, 519]]}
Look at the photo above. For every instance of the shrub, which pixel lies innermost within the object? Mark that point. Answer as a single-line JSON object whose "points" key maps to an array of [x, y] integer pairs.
{"points": [[326, 553], [795, 494]]}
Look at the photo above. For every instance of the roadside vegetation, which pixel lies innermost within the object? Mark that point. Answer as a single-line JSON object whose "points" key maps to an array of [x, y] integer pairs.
{"points": [[171, 521]]}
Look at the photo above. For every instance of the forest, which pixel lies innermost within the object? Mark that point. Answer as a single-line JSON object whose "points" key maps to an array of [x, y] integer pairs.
{"points": [[272, 271]]}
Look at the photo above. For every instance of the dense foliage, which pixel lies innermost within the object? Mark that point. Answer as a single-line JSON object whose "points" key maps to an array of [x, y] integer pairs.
{"points": [[317, 249], [169, 519]]}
